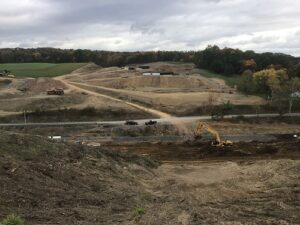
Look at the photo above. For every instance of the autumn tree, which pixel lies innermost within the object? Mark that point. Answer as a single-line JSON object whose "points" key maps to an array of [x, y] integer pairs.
{"points": [[268, 80], [281, 89], [249, 64]]}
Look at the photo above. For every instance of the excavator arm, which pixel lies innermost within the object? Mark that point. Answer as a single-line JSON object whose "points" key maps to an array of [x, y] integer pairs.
{"points": [[217, 140]]}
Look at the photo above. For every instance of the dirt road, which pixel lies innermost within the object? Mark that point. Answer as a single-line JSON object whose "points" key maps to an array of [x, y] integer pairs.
{"points": [[154, 112]]}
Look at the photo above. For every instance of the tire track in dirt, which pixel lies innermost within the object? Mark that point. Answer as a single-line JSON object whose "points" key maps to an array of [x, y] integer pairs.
{"points": [[72, 86], [182, 128]]}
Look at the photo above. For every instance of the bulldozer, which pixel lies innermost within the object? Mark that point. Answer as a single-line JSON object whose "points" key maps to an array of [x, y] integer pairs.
{"points": [[56, 91], [217, 140]]}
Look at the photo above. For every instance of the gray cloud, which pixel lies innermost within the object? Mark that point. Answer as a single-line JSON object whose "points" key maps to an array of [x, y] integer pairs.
{"points": [[261, 25]]}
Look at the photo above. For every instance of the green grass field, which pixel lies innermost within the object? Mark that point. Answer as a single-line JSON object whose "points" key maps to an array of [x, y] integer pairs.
{"points": [[40, 69], [230, 80]]}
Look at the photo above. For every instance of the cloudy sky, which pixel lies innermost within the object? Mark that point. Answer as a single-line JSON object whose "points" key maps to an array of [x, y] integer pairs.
{"points": [[130, 25]]}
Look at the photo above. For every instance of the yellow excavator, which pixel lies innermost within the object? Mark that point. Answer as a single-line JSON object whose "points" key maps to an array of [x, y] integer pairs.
{"points": [[217, 140]]}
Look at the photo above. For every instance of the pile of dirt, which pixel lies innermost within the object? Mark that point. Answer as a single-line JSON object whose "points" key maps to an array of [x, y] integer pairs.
{"points": [[55, 183], [153, 81], [90, 67], [40, 85]]}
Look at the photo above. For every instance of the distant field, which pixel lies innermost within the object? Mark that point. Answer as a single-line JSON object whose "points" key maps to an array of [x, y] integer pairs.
{"points": [[230, 80], [40, 69]]}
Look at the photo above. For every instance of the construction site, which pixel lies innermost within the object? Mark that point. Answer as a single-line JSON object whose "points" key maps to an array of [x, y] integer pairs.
{"points": [[130, 146]]}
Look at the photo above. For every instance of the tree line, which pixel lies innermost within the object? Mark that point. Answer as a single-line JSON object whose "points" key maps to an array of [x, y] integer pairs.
{"points": [[225, 61], [102, 58], [234, 61]]}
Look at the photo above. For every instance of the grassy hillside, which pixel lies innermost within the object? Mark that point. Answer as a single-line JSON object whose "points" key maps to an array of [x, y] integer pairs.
{"points": [[230, 80], [40, 69], [43, 181]]}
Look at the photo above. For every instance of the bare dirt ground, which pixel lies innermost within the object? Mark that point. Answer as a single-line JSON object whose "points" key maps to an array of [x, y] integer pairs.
{"points": [[253, 192], [60, 183], [137, 106], [128, 90], [261, 130], [48, 182], [34, 97], [181, 92]]}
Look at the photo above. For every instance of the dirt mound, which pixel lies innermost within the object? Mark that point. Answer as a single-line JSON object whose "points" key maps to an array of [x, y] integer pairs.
{"points": [[40, 85], [153, 81], [46, 182], [87, 68]]}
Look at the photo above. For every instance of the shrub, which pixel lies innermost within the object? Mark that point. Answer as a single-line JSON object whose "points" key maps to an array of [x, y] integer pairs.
{"points": [[89, 111], [12, 220], [139, 211], [222, 110]]}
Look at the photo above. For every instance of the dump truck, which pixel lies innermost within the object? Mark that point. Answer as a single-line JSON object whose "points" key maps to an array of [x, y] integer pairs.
{"points": [[56, 91]]}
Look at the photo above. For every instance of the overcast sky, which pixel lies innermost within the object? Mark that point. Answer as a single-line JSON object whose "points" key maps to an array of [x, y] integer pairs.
{"points": [[130, 25]]}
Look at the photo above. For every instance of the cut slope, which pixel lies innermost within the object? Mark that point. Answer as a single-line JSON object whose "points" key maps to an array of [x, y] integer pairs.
{"points": [[152, 81], [90, 67]]}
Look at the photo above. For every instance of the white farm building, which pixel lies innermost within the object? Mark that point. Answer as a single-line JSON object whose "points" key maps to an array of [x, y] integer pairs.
{"points": [[151, 74]]}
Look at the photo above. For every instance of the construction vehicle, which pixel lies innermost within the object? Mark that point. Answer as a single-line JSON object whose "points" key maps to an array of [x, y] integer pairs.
{"points": [[217, 140], [56, 91]]}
